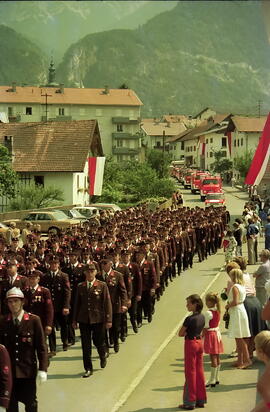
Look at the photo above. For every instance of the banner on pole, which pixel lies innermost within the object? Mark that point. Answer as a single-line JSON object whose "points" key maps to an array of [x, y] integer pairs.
{"points": [[95, 173]]}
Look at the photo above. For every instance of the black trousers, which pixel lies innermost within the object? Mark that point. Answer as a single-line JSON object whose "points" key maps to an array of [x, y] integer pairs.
{"points": [[24, 391], [114, 331], [133, 310], [123, 325], [145, 305], [63, 323], [89, 332]]}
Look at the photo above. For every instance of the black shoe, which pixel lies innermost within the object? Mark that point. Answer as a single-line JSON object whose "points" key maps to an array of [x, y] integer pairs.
{"points": [[158, 298], [135, 327], [116, 348], [149, 319], [107, 353], [123, 338], [103, 362], [139, 324], [65, 348], [51, 354], [186, 407], [199, 405], [87, 374]]}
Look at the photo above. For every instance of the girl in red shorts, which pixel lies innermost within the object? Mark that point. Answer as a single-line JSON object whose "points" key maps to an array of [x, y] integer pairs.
{"points": [[194, 389], [212, 337]]}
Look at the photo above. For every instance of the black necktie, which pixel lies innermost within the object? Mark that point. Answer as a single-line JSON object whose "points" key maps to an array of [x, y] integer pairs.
{"points": [[16, 322]]}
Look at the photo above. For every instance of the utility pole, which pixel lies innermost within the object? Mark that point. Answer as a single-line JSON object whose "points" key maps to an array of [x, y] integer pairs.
{"points": [[46, 95], [259, 107], [163, 152]]}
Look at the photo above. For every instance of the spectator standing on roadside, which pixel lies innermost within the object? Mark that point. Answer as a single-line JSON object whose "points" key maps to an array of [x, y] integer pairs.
{"points": [[267, 233], [194, 389], [262, 342], [252, 244], [262, 275], [237, 233]]}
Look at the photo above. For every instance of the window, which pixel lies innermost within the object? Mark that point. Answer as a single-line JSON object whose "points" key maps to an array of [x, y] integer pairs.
{"points": [[32, 216], [238, 142], [10, 111], [158, 144], [242, 141], [211, 154], [61, 111], [194, 148], [43, 216], [119, 143], [182, 145], [234, 143], [119, 158], [119, 127], [174, 147], [28, 110], [39, 180], [78, 181], [188, 149], [206, 140], [211, 140], [224, 142]]}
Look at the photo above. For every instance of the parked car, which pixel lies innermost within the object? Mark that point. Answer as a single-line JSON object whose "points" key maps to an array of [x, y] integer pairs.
{"points": [[86, 211], [48, 220], [106, 206], [3, 229], [74, 214]]}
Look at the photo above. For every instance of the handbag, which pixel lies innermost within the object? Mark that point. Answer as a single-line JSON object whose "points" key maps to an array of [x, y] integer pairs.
{"points": [[226, 318], [223, 294]]}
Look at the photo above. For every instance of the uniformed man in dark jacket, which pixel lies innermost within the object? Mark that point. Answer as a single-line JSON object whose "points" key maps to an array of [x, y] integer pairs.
{"points": [[5, 378], [22, 334], [12, 279], [93, 312], [58, 284]]}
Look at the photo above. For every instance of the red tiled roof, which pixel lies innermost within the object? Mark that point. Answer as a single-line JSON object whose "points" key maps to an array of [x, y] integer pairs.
{"points": [[52, 146], [156, 129], [249, 124], [191, 134], [33, 94]]}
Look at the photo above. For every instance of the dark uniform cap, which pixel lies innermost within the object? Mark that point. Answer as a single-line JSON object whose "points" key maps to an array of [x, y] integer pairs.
{"points": [[15, 239]]}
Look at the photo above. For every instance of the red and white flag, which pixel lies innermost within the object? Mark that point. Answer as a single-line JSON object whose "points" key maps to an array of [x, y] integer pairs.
{"points": [[95, 173], [261, 157]]}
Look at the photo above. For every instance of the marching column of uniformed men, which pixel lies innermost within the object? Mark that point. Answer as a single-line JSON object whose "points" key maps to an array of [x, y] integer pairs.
{"points": [[133, 254]]}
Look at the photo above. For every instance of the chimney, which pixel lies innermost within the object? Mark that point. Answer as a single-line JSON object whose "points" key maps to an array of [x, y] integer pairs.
{"points": [[62, 88], [106, 89], [13, 87]]}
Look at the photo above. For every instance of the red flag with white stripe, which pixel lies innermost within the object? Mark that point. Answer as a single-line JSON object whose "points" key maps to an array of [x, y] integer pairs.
{"points": [[261, 157], [95, 173]]}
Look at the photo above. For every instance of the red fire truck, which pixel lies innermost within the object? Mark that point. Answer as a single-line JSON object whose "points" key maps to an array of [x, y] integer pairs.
{"points": [[196, 180], [210, 184]]}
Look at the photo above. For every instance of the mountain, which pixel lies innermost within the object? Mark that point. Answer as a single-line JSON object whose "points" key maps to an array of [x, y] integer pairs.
{"points": [[21, 60], [55, 25], [195, 55]]}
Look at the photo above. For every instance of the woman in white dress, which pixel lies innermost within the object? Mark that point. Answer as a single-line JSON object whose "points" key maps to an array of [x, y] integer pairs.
{"points": [[238, 324]]}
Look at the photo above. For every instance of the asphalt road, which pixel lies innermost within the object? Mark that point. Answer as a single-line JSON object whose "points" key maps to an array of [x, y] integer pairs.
{"points": [[147, 373]]}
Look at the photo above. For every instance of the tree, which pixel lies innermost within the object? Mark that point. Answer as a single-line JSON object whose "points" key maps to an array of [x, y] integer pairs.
{"points": [[8, 177], [242, 163], [221, 165], [159, 161], [35, 197]]}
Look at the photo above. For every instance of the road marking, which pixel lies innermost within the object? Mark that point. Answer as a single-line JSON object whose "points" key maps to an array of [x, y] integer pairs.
{"points": [[136, 381]]}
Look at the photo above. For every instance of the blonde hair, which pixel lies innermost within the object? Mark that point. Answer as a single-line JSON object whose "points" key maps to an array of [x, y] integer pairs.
{"points": [[231, 265], [213, 297], [237, 276], [241, 261], [262, 342]]}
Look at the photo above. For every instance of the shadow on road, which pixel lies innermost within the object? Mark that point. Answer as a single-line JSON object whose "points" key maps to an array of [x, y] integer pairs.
{"points": [[156, 409]]}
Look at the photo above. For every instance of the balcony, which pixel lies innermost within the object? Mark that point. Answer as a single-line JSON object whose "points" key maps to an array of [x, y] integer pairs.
{"points": [[125, 150], [124, 120], [63, 118], [14, 119], [123, 135]]}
